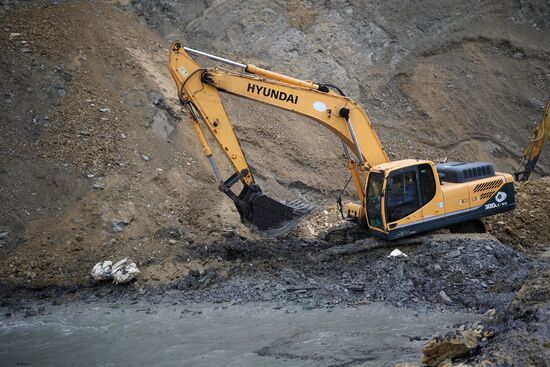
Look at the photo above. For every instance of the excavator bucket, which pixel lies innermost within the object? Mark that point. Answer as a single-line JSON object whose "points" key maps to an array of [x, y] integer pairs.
{"points": [[268, 216]]}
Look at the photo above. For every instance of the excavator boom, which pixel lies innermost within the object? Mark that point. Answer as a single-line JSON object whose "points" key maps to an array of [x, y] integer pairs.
{"points": [[198, 89]]}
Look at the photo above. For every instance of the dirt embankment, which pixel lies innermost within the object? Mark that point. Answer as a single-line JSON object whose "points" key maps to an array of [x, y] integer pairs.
{"points": [[526, 228], [438, 79], [96, 166]]}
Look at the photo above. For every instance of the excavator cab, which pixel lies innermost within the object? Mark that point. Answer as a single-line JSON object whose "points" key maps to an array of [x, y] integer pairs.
{"points": [[399, 193], [412, 196]]}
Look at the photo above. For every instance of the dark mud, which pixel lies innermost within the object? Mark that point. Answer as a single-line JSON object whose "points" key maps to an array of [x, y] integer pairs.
{"points": [[476, 272], [523, 328]]}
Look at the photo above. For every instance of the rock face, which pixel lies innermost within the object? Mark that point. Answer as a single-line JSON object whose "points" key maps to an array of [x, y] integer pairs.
{"points": [[438, 70], [515, 336], [439, 351]]}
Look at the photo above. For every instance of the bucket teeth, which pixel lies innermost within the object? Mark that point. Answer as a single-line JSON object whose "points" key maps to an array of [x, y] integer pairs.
{"points": [[269, 216], [299, 206]]}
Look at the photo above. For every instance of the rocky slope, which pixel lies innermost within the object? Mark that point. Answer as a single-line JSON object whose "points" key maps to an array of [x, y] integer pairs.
{"points": [[438, 78]]}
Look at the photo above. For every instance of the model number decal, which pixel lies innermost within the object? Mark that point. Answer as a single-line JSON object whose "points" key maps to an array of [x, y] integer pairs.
{"points": [[500, 198], [495, 205]]}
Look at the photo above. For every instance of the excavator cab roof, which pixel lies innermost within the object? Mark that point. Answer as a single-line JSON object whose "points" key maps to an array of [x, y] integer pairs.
{"points": [[391, 166]]}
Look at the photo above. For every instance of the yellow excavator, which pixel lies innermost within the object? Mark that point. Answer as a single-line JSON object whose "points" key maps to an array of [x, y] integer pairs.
{"points": [[534, 148], [396, 199]]}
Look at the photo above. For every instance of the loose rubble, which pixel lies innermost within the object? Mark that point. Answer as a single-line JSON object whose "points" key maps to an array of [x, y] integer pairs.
{"points": [[526, 228], [517, 335], [471, 271]]}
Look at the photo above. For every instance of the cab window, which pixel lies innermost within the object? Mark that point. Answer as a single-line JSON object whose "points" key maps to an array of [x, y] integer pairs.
{"points": [[402, 195], [427, 183], [374, 197]]}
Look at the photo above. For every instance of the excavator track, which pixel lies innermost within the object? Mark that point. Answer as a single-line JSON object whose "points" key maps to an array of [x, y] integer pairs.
{"points": [[349, 233]]}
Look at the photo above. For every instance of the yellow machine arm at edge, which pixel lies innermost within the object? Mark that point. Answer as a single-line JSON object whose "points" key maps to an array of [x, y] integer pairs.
{"points": [[533, 150]]}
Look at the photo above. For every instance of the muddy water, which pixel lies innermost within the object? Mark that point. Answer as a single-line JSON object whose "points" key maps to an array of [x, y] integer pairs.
{"points": [[218, 335]]}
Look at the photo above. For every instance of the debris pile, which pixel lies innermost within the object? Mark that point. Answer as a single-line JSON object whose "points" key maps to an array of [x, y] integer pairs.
{"points": [[517, 335], [526, 228], [522, 332], [471, 271], [441, 350]]}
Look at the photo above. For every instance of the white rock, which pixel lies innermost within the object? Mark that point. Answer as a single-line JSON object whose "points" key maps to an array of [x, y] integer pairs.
{"points": [[397, 253], [102, 270], [98, 186], [124, 271], [442, 297]]}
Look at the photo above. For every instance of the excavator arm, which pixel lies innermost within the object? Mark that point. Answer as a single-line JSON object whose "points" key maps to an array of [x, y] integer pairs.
{"points": [[198, 89]]}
